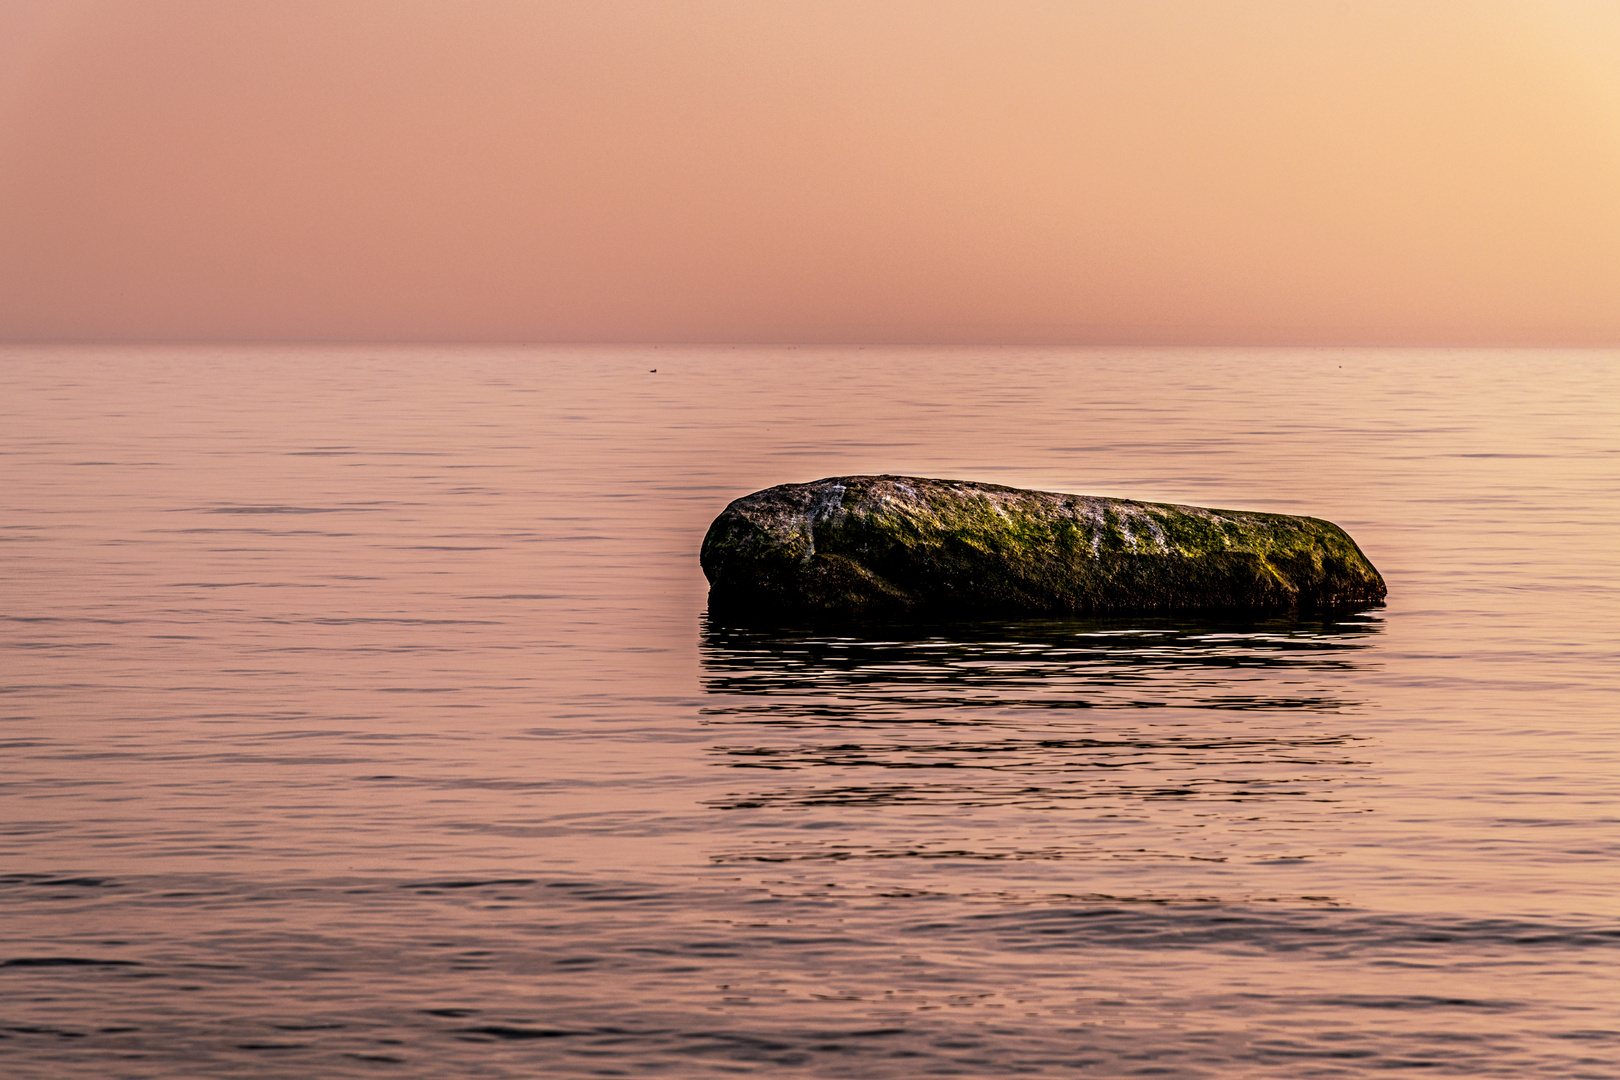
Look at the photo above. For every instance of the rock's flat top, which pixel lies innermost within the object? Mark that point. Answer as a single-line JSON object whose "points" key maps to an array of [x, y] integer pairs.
{"points": [[882, 546]]}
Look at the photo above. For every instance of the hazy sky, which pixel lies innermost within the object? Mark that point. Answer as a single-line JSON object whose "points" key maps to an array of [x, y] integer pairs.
{"points": [[778, 170]]}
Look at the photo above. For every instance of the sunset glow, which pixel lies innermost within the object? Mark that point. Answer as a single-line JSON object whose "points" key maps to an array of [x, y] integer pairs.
{"points": [[1181, 172]]}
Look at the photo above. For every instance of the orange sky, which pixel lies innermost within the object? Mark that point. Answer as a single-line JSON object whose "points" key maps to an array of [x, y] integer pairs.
{"points": [[811, 170]]}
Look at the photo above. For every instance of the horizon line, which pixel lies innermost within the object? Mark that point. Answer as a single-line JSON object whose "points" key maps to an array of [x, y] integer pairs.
{"points": [[1228, 343]]}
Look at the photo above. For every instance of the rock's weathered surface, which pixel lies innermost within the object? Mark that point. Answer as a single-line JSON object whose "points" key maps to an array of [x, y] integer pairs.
{"points": [[899, 546]]}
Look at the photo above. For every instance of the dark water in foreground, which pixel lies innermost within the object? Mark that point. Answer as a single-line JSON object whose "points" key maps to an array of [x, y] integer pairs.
{"points": [[360, 717]]}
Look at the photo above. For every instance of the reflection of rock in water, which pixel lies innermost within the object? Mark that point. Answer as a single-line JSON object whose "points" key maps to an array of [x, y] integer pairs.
{"points": [[1208, 724], [1046, 664]]}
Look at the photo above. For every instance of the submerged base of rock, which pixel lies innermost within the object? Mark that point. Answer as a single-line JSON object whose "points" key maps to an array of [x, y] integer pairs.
{"points": [[868, 547]]}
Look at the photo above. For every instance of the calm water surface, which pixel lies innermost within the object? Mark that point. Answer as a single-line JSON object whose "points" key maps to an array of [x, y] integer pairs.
{"points": [[361, 717]]}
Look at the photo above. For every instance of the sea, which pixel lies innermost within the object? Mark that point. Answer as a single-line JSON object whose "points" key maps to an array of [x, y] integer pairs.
{"points": [[361, 716]]}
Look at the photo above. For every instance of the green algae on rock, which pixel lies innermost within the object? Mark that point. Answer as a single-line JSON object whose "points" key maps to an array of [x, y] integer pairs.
{"points": [[901, 546]]}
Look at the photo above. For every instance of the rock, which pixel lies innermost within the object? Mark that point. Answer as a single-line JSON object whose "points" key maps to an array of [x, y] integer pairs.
{"points": [[866, 547]]}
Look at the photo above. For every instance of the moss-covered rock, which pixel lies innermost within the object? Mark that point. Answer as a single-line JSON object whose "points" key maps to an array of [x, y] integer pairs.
{"points": [[899, 546]]}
